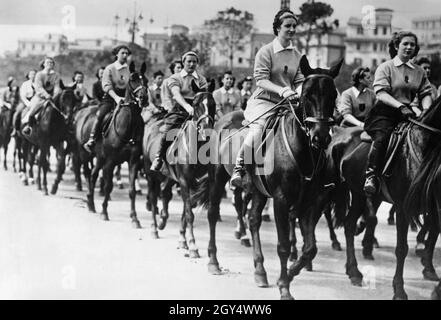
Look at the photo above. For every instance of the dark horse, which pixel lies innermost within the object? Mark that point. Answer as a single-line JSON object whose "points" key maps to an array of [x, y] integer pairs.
{"points": [[295, 182], [51, 130], [6, 124], [121, 142], [348, 151], [186, 169]]}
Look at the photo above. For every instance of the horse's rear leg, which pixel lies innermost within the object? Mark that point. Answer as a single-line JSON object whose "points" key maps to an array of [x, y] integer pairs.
{"points": [[335, 243], [255, 220], [77, 171], [61, 167], [369, 236], [108, 186], [153, 189], [421, 236], [5, 149], [400, 252], [119, 182], [189, 218], [241, 205], [391, 218], [91, 183], [427, 255], [133, 171], [292, 237], [44, 165]]}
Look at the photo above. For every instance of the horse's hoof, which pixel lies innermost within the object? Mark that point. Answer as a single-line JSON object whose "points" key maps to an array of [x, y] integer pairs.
{"points": [[182, 245], [214, 269], [162, 221], [261, 280], [419, 249], [246, 243], [154, 235], [79, 188], [120, 186], [104, 217], [376, 244], [308, 266], [368, 256], [430, 275], [436, 293], [336, 246], [237, 234], [194, 254], [288, 297], [136, 224], [54, 189], [391, 222], [31, 181], [266, 218], [39, 188], [25, 182], [293, 256], [356, 281], [46, 193], [401, 296]]}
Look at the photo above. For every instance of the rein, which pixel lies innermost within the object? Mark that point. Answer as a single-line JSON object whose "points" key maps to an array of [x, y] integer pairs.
{"points": [[425, 126], [56, 108]]}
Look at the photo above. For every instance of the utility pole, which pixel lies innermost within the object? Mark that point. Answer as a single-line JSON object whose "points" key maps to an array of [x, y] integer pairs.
{"points": [[134, 23], [116, 24]]}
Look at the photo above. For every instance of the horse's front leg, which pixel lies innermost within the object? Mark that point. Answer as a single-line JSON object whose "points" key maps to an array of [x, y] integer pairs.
{"points": [[400, 252], [429, 271], [61, 167], [5, 149], [108, 187], [189, 219], [335, 243], [92, 182], [44, 164], [166, 196], [153, 189], [241, 206], [255, 221], [292, 237], [133, 170]]}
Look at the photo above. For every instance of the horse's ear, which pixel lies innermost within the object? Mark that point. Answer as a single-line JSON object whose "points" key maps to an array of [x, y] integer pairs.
{"points": [[304, 66], [132, 67], [212, 85], [195, 87], [335, 70], [74, 86], [62, 86], [143, 68]]}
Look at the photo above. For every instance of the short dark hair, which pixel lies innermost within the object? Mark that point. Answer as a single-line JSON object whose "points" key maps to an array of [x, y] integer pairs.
{"points": [[422, 60], [396, 40], [172, 65], [118, 49], [27, 74], [357, 75], [278, 21], [98, 71], [75, 73], [158, 73]]}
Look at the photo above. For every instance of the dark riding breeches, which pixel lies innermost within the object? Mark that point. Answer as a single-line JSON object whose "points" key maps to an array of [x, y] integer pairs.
{"points": [[106, 106]]}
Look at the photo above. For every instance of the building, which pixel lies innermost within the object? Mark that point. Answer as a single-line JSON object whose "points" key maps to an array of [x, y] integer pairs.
{"points": [[92, 45], [428, 30], [367, 45], [50, 45], [285, 4]]}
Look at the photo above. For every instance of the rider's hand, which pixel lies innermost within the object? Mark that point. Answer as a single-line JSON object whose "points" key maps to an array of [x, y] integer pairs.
{"points": [[189, 109], [407, 112], [119, 100]]}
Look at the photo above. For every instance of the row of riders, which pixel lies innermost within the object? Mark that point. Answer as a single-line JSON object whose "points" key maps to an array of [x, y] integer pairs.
{"points": [[316, 167]]}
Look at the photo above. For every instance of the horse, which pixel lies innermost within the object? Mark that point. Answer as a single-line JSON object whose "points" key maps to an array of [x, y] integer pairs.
{"points": [[50, 130], [295, 183], [418, 141], [6, 124], [186, 172], [121, 142]]}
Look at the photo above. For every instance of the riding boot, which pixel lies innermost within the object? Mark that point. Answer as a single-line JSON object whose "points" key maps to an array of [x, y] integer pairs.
{"points": [[239, 170], [157, 162], [374, 166], [93, 133], [27, 130]]}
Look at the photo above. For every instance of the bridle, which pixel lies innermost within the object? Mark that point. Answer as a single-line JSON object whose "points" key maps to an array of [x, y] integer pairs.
{"points": [[205, 115], [134, 91]]}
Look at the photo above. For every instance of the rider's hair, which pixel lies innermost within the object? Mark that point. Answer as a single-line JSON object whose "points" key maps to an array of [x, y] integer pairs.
{"points": [[27, 74], [118, 49], [422, 60], [75, 73], [397, 37], [97, 74], [172, 65], [280, 16], [357, 75], [158, 73]]}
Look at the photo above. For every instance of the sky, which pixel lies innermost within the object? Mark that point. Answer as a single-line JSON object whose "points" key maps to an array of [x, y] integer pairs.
{"points": [[40, 13]]}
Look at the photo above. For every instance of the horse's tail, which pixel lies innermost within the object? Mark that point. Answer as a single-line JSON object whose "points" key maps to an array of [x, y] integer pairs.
{"points": [[201, 194], [340, 199], [423, 189]]}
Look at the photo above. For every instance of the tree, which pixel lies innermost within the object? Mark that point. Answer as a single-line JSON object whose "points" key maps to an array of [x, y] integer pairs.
{"points": [[313, 18], [177, 46], [229, 29]]}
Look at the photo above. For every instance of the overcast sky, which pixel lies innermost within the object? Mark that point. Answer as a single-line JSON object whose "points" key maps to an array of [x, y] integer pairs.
{"points": [[191, 12]]}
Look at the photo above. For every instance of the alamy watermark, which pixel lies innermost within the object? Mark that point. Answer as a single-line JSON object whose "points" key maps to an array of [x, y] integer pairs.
{"points": [[368, 17]]}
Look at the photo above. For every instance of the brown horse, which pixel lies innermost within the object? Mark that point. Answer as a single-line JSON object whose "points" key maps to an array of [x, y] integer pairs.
{"points": [[121, 142], [414, 164], [181, 169], [295, 183]]}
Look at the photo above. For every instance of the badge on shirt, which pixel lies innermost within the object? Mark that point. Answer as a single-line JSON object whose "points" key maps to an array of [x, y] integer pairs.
{"points": [[362, 106]]}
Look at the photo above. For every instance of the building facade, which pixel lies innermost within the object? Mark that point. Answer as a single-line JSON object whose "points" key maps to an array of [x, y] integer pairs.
{"points": [[50, 45], [428, 30], [368, 45]]}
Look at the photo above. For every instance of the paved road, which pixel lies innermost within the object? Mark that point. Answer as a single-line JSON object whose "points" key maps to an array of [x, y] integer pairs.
{"points": [[52, 247]]}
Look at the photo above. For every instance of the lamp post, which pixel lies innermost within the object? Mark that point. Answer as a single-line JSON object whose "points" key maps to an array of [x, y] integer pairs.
{"points": [[134, 23]]}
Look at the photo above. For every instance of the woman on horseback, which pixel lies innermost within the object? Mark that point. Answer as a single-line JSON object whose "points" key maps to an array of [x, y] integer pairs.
{"points": [[397, 83], [277, 74], [47, 86], [227, 97], [97, 87], [115, 80], [356, 102], [183, 95], [166, 94]]}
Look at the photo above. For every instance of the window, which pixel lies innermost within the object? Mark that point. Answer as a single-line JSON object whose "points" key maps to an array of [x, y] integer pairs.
{"points": [[318, 63], [33, 46], [375, 47], [383, 60], [150, 46], [255, 50], [359, 30], [358, 46], [156, 46], [240, 60], [23, 45], [155, 60], [374, 62], [98, 42], [42, 47], [53, 47], [358, 61], [376, 31], [384, 30]]}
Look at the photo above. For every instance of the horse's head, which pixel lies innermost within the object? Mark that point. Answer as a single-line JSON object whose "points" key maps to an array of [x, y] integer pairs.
{"points": [[204, 107], [15, 96], [68, 100], [318, 101], [137, 86]]}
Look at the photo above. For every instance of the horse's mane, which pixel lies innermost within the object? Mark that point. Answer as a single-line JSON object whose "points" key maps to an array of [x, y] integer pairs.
{"points": [[419, 198]]}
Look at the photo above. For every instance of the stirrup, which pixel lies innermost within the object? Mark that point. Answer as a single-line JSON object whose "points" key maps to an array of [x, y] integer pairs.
{"points": [[371, 185], [27, 130]]}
